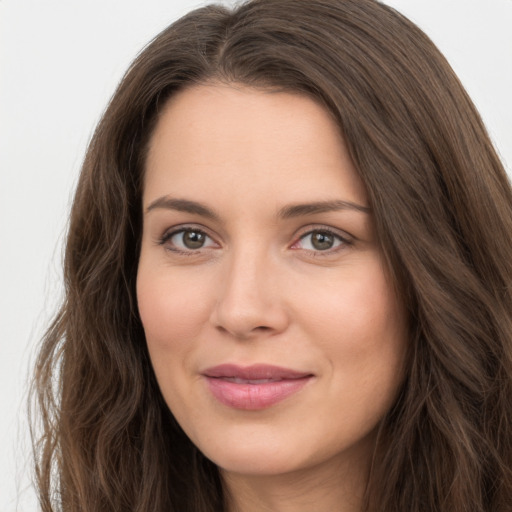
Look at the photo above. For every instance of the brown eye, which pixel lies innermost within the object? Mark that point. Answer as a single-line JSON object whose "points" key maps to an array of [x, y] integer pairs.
{"points": [[189, 239], [193, 239], [320, 240]]}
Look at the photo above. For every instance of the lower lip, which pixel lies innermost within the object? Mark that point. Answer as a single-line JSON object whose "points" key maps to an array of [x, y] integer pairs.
{"points": [[253, 397]]}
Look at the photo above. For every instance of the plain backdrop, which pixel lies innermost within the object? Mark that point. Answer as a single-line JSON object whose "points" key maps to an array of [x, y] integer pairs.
{"points": [[60, 61]]}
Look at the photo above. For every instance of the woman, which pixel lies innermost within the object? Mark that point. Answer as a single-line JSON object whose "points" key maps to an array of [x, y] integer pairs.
{"points": [[287, 278]]}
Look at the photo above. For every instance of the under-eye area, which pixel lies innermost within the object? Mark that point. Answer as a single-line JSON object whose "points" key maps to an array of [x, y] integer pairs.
{"points": [[267, 276]]}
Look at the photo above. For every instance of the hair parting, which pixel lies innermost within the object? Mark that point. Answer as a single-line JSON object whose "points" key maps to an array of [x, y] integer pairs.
{"points": [[442, 205]]}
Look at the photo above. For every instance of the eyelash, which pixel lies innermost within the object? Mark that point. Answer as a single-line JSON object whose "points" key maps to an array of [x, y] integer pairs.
{"points": [[344, 241], [170, 234]]}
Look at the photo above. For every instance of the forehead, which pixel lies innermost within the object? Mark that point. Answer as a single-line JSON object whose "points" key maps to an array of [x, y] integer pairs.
{"points": [[252, 141]]}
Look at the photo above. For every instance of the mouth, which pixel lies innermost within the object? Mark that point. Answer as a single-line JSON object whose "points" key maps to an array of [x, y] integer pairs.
{"points": [[254, 387]]}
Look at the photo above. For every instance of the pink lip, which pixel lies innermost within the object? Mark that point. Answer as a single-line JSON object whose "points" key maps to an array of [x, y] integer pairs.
{"points": [[253, 387]]}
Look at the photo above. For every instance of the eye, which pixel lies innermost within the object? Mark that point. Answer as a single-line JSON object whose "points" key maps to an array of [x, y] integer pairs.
{"points": [[320, 240], [187, 240]]}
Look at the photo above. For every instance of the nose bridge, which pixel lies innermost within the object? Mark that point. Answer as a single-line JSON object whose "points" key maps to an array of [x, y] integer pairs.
{"points": [[249, 301]]}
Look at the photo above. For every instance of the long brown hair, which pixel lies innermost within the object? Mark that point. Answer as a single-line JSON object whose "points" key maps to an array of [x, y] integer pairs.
{"points": [[443, 211]]}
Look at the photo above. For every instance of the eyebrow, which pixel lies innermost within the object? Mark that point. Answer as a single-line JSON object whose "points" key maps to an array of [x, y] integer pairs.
{"points": [[182, 205], [287, 212], [298, 210]]}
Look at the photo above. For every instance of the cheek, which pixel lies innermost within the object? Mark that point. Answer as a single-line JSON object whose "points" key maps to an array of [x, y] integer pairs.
{"points": [[361, 305], [172, 309], [360, 325]]}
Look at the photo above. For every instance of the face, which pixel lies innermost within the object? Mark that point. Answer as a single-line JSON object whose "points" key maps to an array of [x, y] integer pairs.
{"points": [[275, 334]]}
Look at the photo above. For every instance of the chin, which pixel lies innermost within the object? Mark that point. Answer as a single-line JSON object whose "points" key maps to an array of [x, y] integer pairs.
{"points": [[258, 463], [255, 455]]}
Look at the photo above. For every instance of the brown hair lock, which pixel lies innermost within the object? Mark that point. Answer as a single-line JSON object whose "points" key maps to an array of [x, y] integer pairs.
{"points": [[443, 213]]}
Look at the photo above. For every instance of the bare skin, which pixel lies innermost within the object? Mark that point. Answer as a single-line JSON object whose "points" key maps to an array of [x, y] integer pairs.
{"points": [[259, 248]]}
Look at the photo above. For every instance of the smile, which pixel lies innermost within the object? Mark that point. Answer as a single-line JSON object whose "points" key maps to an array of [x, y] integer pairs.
{"points": [[253, 387]]}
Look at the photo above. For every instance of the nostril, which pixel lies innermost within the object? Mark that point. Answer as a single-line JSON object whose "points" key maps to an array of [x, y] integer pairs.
{"points": [[244, 333], [246, 313]]}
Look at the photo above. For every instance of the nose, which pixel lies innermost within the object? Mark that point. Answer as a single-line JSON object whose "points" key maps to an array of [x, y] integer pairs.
{"points": [[250, 301]]}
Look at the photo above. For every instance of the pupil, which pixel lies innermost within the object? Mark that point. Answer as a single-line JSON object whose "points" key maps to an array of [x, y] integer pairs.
{"points": [[322, 241], [193, 239]]}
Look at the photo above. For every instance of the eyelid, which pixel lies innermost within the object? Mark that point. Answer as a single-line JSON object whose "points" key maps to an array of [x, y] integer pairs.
{"points": [[346, 238], [180, 228]]}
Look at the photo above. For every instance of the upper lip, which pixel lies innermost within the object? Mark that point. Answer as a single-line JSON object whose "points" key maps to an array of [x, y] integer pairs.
{"points": [[254, 372]]}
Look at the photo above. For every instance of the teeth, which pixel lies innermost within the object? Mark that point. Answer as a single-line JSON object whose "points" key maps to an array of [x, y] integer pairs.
{"points": [[237, 380]]}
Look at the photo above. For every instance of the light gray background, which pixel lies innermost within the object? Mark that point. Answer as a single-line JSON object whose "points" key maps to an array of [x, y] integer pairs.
{"points": [[60, 61]]}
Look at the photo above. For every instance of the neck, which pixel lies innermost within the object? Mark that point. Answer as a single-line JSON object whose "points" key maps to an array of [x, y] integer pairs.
{"points": [[333, 487]]}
